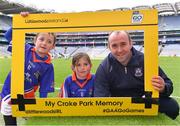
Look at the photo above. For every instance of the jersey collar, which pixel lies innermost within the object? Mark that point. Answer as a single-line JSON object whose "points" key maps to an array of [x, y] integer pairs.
{"points": [[35, 58], [74, 78], [81, 85]]}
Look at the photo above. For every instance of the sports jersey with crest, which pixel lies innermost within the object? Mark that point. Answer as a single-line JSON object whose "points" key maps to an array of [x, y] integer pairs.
{"points": [[39, 72], [74, 87]]}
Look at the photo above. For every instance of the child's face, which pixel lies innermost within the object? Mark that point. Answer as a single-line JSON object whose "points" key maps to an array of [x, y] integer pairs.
{"points": [[44, 43], [82, 68]]}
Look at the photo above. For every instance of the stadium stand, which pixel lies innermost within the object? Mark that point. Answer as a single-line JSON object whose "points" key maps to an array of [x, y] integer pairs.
{"points": [[170, 22], [177, 6], [165, 9], [95, 43], [5, 22], [171, 50], [141, 7], [7, 7], [122, 9], [104, 10]]}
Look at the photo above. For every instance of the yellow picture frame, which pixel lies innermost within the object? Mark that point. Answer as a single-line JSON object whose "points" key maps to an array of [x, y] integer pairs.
{"points": [[146, 20]]}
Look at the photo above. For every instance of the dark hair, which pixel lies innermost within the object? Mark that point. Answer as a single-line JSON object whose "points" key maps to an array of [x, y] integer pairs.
{"points": [[78, 56]]}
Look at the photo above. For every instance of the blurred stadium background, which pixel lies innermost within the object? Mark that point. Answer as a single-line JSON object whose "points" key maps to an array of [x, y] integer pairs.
{"points": [[95, 44]]}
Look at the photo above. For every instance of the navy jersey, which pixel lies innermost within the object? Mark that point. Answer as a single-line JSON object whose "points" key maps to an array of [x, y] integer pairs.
{"points": [[74, 87], [115, 80], [39, 72]]}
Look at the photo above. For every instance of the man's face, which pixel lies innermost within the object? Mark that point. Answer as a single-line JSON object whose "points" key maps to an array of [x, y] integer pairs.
{"points": [[120, 47]]}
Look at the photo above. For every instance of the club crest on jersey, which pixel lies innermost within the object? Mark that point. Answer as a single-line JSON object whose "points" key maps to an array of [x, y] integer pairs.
{"points": [[138, 72]]}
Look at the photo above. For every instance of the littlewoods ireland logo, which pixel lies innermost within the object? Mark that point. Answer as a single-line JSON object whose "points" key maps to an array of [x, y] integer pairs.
{"points": [[137, 18]]}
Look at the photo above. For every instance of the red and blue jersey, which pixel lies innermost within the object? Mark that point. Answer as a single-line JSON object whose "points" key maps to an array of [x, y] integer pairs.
{"points": [[39, 72], [74, 87]]}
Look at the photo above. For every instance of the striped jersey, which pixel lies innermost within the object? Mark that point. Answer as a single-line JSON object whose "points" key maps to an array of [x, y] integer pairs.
{"points": [[39, 72], [74, 87]]}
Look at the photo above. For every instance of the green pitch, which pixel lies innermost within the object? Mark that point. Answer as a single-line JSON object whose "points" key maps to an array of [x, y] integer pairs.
{"points": [[63, 68]]}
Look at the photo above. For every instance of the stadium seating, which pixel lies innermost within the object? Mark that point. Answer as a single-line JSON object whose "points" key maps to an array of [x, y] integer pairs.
{"points": [[4, 52], [95, 43], [171, 50], [171, 22], [5, 22]]}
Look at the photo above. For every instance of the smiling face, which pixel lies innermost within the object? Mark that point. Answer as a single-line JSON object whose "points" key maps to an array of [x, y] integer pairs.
{"points": [[120, 46], [81, 65], [44, 42], [82, 68]]}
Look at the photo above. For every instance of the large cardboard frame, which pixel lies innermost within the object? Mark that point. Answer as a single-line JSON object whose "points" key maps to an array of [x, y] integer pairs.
{"points": [[146, 20]]}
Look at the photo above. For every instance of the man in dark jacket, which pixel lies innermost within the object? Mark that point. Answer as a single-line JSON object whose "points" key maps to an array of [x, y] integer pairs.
{"points": [[121, 74]]}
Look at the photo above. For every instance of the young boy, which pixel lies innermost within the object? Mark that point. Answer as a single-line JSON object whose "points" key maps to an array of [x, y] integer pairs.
{"points": [[39, 71], [81, 82]]}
